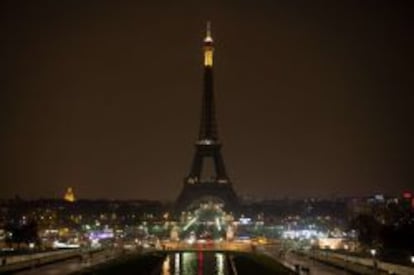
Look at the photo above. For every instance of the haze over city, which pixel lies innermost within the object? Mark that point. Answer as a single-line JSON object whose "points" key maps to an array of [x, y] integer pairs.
{"points": [[206, 138], [105, 98]]}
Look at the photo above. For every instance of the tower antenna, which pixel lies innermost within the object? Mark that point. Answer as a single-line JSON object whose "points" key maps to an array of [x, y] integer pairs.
{"points": [[208, 30], [208, 37]]}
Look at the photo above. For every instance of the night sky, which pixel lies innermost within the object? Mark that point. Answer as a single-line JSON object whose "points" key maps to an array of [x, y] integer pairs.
{"points": [[314, 98]]}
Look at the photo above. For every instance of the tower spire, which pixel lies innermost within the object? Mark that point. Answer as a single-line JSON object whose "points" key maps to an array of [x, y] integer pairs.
{"points": [[208, 144], [208, 126], [208, 32]]}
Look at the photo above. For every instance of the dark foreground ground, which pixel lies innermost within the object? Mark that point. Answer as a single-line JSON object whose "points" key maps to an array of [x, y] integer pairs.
{"points": [[188, 263]]}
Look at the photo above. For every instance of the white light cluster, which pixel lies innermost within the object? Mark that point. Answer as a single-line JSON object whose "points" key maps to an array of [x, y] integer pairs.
{"points": [[303, 234]]}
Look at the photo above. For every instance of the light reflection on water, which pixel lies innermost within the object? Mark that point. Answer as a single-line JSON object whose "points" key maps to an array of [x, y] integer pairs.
{"points": [[220, 263], [166, 266], [195, 263], [177, 263]]}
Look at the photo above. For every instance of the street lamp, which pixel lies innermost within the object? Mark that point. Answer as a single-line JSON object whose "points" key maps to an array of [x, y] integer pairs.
{"points": [[412, 259], [374, 253]]}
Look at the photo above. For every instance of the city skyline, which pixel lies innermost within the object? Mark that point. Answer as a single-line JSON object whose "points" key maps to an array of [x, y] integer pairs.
{"points": [[107, 100]]}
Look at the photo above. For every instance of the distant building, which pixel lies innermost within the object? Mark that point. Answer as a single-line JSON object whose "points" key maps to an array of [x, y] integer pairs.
{"points": [[69, 195]]}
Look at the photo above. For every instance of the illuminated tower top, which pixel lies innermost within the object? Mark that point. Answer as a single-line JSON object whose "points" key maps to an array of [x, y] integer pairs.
{"points": [[208, 47], [69, 195]]}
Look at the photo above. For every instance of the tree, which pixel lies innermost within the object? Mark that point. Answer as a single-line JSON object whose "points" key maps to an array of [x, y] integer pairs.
{"points": [[22, 233], [368, 229]]}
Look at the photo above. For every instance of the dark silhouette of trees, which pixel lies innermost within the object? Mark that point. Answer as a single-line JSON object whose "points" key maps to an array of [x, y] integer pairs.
{"points": [[22, 233], [395, 240], [398, 237], [368, 229]]}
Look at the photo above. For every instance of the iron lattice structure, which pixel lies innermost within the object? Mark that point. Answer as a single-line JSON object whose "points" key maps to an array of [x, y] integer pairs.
{"points": [[208, 147]]}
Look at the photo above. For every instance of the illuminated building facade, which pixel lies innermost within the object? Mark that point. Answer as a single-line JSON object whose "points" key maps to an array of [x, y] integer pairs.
{"points": [[69, 195]]}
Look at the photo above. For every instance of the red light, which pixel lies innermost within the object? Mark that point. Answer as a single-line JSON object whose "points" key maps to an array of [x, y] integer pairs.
{"points": [[200, 263], [407, 195]]}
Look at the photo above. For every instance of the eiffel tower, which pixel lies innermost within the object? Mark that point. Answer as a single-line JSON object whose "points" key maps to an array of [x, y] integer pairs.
{"points": [[197, 188]]}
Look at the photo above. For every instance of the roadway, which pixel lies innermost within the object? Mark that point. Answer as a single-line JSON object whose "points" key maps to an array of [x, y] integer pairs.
{"points": [[314, 266], [291, 260], [71, 265]]}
